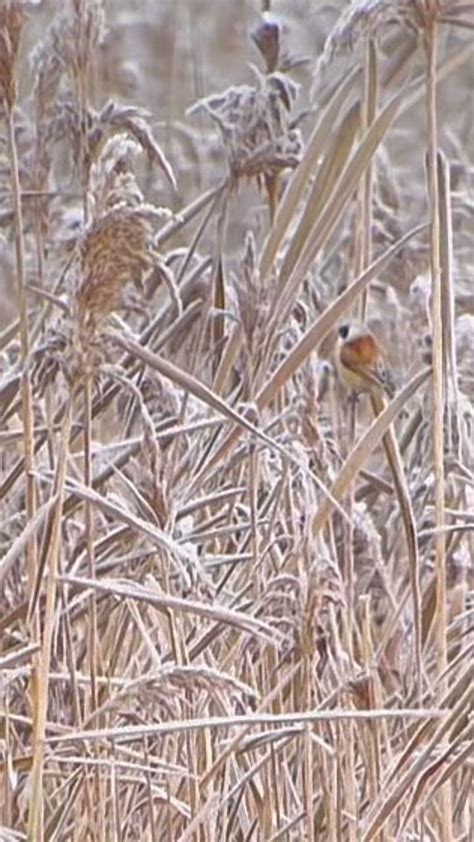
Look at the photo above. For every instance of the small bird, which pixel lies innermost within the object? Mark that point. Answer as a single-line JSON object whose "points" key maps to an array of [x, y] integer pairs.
{"points": [[360, 361]]}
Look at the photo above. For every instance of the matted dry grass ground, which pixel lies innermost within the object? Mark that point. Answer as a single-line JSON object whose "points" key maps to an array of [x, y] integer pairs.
{"points": [[225, 612]]}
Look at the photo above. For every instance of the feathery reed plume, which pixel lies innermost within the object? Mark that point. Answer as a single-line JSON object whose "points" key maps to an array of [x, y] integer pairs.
{"points": [[367, 17], [117, 247], [12, 19], [70, 42], [257, 125], [115, 250]]}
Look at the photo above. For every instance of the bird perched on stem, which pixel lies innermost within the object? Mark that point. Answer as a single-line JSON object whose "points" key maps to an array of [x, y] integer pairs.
{"points": [[360, 361]]}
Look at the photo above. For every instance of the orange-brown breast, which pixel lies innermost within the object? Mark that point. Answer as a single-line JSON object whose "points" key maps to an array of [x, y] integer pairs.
{"points": [[360, 351]]}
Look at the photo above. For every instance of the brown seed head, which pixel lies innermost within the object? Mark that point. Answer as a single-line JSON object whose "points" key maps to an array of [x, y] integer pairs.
{"points": [[114, 251], [12, 18]]}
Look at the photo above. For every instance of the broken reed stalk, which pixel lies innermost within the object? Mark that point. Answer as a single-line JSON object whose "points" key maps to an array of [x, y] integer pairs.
{"points": [[437, 316]]}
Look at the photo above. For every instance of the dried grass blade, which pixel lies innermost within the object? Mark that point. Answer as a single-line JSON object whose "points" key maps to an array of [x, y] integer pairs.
{"points": [[18, 546], [18, 656], [216, 613], [303, 173], [389, 802], [447, 771], [332, 165], [188, 213], [448, 701], [228, 358], [58, 819], [454, 21], [395, 462], [343, 189], [160, 538], [219, 294], [134, 732], [7, 335]]}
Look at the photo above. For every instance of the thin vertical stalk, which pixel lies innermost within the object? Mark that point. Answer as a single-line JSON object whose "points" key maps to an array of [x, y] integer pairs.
{"points": [[449, 345], [349, 542], [82, 81], [253, 481], [35, 819], [82, 85], [440, 621], [7, 789], [372, 728], [26, 417], [349, 628], [338, 779], [437, 327], [89, 528], [309, 782], [218, 282], [93, 639], [350, 780], [368, 113], [27, 402]]}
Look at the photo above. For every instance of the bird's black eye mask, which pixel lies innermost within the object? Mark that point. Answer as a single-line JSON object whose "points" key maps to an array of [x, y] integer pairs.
{"points": [[344, 331]]}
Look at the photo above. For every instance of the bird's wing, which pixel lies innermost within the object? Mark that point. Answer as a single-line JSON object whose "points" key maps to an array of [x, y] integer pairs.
{"points": [[382, 377]]}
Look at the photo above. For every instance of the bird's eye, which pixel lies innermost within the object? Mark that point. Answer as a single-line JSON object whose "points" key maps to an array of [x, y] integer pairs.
{"points": [[344, 331]]}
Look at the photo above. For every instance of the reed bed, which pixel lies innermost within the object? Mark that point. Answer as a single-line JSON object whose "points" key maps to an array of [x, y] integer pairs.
{"points": [[225, 614]]}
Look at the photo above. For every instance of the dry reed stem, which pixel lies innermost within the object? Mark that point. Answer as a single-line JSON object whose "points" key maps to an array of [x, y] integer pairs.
{"points": [[35, 818], [438, 317], [334, 715]]}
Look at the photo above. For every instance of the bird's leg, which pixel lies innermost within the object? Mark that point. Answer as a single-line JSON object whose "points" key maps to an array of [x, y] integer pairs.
{"points": [[353, 397]]}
